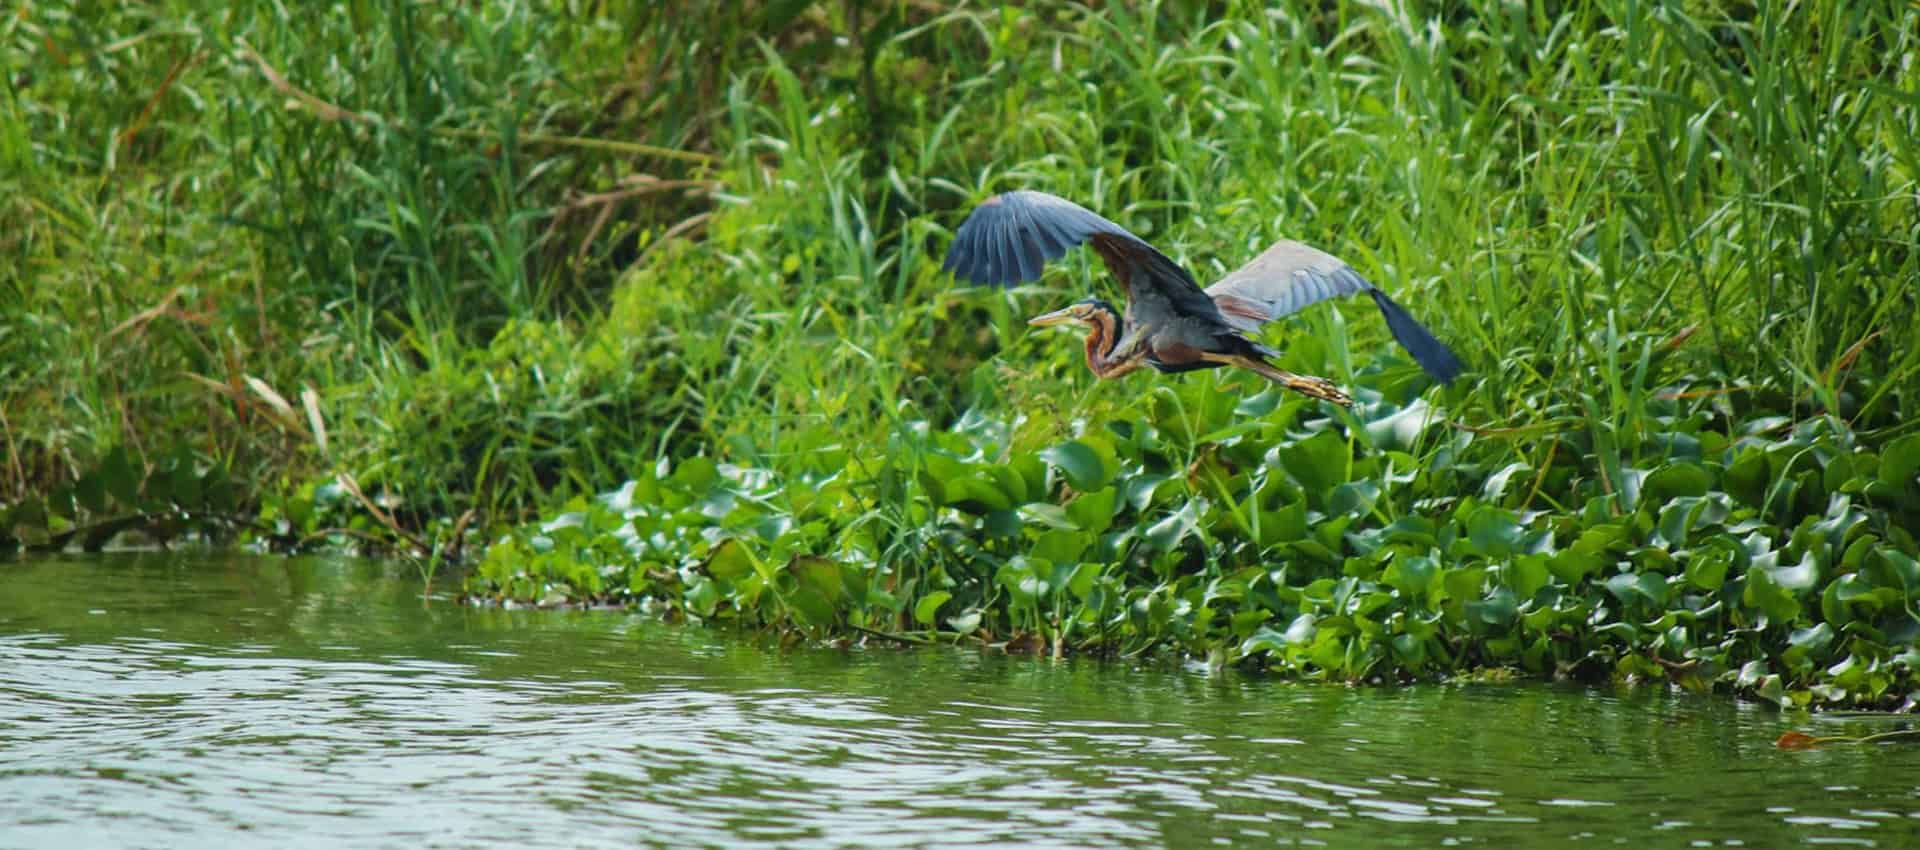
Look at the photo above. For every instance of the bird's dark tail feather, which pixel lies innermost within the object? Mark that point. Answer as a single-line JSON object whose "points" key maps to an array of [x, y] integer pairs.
{"points": [[1430, 353]]}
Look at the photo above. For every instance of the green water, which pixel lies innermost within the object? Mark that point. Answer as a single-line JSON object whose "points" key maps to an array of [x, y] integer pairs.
{"points": [[166, 701]]}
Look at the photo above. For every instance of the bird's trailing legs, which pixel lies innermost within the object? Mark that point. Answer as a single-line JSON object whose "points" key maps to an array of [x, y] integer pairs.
{"points": [[1308, 385]]}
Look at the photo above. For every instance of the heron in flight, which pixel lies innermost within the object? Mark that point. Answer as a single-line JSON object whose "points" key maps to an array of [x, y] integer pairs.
{"points": [[1171, 323]]}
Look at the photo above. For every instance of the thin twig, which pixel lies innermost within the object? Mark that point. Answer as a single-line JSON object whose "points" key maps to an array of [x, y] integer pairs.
{"points": [[685, 227], [453, 548], [1552, 426], [146, 114], [631, 148], [1682, 395], [386, 519], [1606, 486], [320, 108], [635, 185], [1540, 477], [166, 307]]}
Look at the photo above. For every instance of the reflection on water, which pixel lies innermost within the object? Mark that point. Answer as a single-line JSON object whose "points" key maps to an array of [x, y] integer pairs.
{"points": [[160, 701]]}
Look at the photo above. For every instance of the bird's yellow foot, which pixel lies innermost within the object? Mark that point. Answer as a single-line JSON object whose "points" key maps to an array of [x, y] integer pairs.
{"points": [[1319, 388]]}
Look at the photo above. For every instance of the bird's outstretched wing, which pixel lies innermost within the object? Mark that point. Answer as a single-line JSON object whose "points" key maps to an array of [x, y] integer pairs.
{"points": [[1009, 237], [1283, 280], [1289, 277]]}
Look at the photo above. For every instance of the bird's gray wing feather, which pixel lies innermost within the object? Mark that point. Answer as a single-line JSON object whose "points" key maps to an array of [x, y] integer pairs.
{"points": [[1009, 237], [1289, 276], [1283, 280]]}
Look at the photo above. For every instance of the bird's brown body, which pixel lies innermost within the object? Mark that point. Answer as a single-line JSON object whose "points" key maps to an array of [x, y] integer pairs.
{"points": [[1110, 355]]}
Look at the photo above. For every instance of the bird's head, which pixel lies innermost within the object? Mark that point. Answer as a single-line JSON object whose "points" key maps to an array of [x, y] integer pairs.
{"points": [[1088, 312]]}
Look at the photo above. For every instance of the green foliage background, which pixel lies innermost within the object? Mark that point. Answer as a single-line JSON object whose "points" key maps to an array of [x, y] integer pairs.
{"points": [[489, 259]]}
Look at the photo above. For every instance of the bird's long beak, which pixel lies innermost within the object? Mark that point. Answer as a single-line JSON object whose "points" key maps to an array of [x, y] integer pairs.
{"points": [[1057, 317]]}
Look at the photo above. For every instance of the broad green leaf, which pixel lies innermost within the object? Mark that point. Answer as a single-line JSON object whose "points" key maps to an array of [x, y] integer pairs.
{"points": [[183, 485], [1401, 429], [1903, 568], [1675, 480], [1493, 532], [977, 495], [1707, 566], [1639, 588], [1809, 640], [1246, 624], [1899, 461], [812, 606], [1060, 547], [1003, 523], [879, 600], [1085, 468], [1762, 594], [1747, 477], [1093, 512], [1017, 576], [820, 575], [1415, 576], [1415, 530], [1798, 578], [696, 475], [1855, 557], [121, 479], [1497, 609], [1843, 469], [729, 560], [1572, 564], [1012, 487], [1301, 630], [1771, 690], [928, 607], [1354, 498], [1046, 515], [701, 597], [1528, 573], [1465, 583], [1684, 515], [1142, 490], [1318, 463], [1497, 483], [1411, 649], [91, 492], [854, 579], [1033, 471], [1838, 601], [1286, 525], [1080, 582], [1167, 533]]}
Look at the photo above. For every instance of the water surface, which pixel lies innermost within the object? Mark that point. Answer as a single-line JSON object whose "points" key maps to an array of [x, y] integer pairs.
{"points": [[176, 701]]}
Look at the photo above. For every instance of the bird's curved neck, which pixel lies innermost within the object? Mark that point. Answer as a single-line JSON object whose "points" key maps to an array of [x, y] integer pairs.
{"points": [[1104, 335]]}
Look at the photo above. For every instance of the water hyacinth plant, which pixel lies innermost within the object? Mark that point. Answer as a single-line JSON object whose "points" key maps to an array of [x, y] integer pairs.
{"points": [[1772, 560]]}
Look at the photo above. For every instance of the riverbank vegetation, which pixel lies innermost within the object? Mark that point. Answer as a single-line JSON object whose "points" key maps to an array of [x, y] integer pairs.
{"points": [[644, 301]]}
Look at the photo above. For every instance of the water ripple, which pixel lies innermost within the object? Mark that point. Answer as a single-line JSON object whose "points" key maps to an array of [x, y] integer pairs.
{"points": [[339, 727]]}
